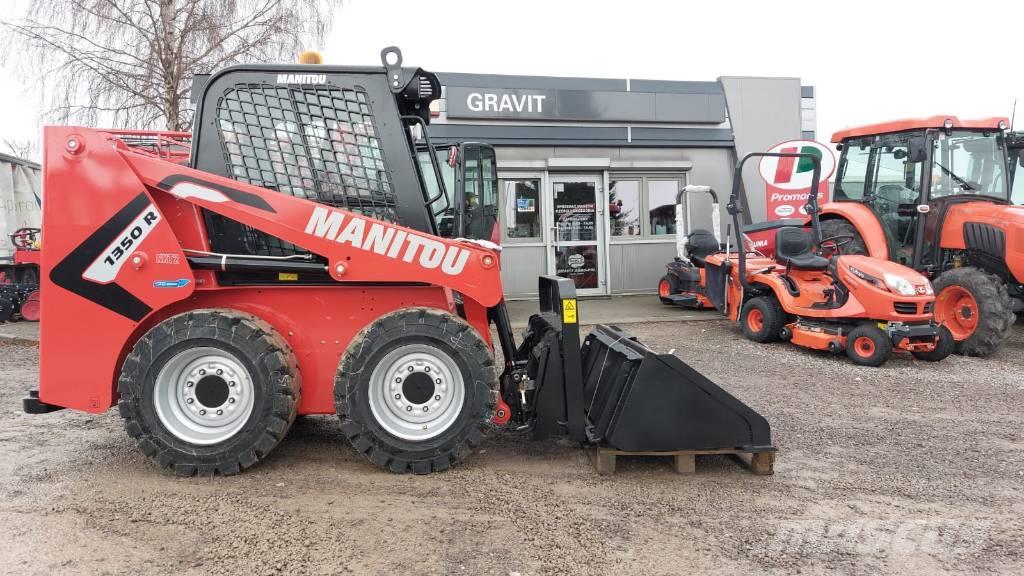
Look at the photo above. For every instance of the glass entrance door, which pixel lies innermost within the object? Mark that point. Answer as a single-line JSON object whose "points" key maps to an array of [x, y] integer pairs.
{"points": [[577, 232]]}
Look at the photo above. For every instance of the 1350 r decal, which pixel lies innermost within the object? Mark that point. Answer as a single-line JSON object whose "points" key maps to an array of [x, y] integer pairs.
{"points": [[105, 268], [70, 273]]}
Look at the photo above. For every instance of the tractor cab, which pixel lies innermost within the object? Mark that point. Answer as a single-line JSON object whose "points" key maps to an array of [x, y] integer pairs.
{"points": [[1015, 152], [909, 172]]}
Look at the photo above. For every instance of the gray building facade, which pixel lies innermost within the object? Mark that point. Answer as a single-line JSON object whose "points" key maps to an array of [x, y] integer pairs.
{"points": [[589, 167]]}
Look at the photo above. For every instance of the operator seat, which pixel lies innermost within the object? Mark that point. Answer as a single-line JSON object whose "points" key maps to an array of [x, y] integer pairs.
{"points": [[794, 247], [699, 245]]}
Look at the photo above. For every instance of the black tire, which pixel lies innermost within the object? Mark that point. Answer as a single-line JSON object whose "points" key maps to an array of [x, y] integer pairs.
{"points": [[673, 286], [880, 345], [842, 227], [943, 348], [772, 319], [272, 378], [995, 311], [441, 333]]}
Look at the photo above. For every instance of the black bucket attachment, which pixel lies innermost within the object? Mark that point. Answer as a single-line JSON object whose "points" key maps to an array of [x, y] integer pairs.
{"points": [[617, 392], [639, 401]]}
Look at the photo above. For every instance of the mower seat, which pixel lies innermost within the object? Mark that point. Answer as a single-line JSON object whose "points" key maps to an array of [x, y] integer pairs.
{"points": [[699, 245], [794, 247]]}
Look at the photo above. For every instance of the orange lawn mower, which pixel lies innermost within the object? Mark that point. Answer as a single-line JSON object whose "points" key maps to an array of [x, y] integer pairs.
{"points": [[813, 295]]}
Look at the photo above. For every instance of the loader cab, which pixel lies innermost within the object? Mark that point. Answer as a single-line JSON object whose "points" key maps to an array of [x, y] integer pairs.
{"points": [[909, 172], [467, 206], [341, 136]]}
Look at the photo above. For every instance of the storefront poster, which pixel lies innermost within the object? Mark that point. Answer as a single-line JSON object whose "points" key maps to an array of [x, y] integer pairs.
{"points": [[788, 183]]}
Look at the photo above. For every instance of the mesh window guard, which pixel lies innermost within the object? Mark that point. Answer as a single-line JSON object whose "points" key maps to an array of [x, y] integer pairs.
{"points": [[317, 142]]}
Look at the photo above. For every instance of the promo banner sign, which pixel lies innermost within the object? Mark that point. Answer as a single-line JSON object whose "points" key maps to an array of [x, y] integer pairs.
{"points": [[787, 184], [788, 180]]}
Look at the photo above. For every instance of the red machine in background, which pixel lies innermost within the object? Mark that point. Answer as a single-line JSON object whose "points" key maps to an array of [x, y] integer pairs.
{"points": [[19, 279]]}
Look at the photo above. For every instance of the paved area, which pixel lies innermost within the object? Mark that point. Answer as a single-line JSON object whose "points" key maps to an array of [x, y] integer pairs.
{"points": [[19, 332], [912, 468]]}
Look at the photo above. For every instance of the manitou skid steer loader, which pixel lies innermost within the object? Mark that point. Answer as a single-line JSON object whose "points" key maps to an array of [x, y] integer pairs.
{"points": [[294, 267]]}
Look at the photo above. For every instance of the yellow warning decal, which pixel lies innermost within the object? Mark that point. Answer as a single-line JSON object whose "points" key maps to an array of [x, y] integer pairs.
{"points": [[287, 276], [569, 310]]}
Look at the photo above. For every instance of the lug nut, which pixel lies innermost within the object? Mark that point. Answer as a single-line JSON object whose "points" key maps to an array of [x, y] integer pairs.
{"points": [[408, 408], [426, 369], [398, 396], [202, 372], [232, 383], [219, 372], [425, 408], [202, 412], [190, 400], [438, 397], [190, 384], [398, 380], [410, 368], [231, 400], [438, 381]]}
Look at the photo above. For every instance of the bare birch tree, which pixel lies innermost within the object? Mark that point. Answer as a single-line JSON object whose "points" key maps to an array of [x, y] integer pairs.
{"points": [[129, 63]]}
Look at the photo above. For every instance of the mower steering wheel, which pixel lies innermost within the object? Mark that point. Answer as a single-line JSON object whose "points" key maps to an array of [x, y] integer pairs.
{"points": [[835, 243], [25, 238]]}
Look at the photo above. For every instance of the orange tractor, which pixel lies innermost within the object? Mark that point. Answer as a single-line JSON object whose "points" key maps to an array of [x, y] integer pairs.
{"points": [[934, 194]]}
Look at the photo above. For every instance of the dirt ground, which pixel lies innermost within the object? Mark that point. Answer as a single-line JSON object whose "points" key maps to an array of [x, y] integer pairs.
{"points": [[912, 468]]}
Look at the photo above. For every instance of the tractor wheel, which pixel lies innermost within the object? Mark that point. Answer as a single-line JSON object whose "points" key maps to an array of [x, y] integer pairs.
{"points": [[762, 319], [976, 308], [209, 392], [867, 345], [667, 286], [943, 347], [30, 308], [415, 390], [841, 227]]}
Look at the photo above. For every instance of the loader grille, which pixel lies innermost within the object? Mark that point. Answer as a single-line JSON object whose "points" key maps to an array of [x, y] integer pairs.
{"points": [[317, 142]]}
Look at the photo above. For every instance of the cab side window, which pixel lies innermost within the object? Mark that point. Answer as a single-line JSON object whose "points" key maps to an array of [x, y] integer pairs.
{"points": [[853, 170]]}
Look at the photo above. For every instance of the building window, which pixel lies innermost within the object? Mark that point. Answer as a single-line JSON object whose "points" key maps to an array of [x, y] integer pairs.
{"points": [[522, 208], [624, 207], [643, 206], [661, 205]]}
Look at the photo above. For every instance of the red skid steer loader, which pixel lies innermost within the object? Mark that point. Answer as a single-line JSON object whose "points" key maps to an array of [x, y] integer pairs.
{"points": [[294, 266]]}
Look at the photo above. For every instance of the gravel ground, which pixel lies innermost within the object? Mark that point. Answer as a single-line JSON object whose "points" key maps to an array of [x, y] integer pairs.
{"points": [[912, 468]]}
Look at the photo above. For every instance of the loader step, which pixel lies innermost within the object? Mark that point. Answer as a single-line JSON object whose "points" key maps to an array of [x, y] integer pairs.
{"points": [[761, 463]]}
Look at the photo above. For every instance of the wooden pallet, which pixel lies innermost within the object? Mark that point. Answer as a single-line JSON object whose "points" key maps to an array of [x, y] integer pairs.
{"points": [[685, 461]]}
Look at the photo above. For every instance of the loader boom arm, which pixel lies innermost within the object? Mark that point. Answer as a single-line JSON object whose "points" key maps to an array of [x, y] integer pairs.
{"points": [[357, 248]]}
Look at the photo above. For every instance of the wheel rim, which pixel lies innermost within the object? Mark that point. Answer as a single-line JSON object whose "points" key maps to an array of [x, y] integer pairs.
{"points": [[864, 346], [416, 392], [203, 395], [957, 310], [663, 289], [755, 320]]}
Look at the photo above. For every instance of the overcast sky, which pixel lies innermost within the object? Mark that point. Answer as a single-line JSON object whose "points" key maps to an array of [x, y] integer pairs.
{"points": [[870, 60]]}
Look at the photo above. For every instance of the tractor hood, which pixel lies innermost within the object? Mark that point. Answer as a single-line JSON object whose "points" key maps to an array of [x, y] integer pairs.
{"points": [[885, 273], [996, 230]]}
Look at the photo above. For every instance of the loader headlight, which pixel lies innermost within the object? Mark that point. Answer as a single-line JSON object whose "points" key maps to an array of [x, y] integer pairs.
{"points": [[899, 284], [928, 288]]}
